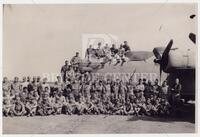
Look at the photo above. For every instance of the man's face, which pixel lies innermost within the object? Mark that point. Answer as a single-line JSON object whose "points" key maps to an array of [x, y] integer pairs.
{"points": [[24, 79], [18, 99], [44, 80], [66, 62], [28, 78], [59, 79], [35, 88], [5, 79], [46, 89], [156, 82], [25, 89], [34, 78], [38, 79], [16, 79], [99, 45], [77, 54], [177, 81]]}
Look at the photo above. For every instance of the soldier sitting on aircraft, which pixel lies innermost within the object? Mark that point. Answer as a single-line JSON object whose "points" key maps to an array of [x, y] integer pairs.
{"points": [[99, 52], [121, 53], [89, 53], [75, 61], [126, 47], [113, 50]]}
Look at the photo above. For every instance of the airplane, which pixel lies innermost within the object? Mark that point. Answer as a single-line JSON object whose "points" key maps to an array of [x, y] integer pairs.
{"points": [[173, 61], [177, 64], [138, 55]]}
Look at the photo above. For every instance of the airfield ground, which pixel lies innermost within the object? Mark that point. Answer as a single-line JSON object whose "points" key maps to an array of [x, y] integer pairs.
{"points": [[184, 122], [75, 124]]}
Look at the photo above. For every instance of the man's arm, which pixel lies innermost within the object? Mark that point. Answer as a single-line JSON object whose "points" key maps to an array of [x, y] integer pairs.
{"points": [[61, 71], [86, 53], [72, 60]]}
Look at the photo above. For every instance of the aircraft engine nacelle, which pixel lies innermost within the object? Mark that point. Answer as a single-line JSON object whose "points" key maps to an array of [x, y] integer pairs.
{"points": [[179, 60]]}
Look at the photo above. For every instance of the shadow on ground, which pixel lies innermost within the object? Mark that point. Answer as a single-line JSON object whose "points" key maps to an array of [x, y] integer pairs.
{"points": [[182, 114]]}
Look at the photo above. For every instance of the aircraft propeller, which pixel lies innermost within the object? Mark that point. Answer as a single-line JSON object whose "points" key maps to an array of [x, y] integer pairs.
{"points": [[163, 60]]}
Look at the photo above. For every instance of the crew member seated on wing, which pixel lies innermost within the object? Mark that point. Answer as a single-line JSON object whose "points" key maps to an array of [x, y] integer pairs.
{"points": [[113, 50], [126, 47], [99, 51], [75, 61], [121, 53], [89, 53]]}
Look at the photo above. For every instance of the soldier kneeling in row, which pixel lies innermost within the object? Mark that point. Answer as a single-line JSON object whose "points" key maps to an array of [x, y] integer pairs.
{"points": [[18, 107], [44, 105]]}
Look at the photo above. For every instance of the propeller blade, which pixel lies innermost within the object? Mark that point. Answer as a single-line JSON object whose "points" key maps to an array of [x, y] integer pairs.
{"points": [[164, 59], [192, 37], [167, 49], [160, 73], [157, 54]]}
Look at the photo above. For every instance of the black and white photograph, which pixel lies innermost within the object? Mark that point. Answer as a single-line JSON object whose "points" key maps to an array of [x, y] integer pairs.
{"points": [[99, 68]]}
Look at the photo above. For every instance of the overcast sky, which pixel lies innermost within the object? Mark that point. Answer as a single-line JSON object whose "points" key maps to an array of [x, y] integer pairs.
{"points": [[38, 38]]}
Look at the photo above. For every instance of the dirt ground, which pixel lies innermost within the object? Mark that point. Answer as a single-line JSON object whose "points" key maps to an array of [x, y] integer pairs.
{"points": [[75, 124]]}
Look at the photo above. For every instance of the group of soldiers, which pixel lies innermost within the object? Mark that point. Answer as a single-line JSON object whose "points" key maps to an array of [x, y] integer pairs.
{"points": [[87, 95], [78, 92], [111, 54]]}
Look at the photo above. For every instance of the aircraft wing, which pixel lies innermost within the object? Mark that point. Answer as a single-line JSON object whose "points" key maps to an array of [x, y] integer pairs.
{"points": [[139, 55], [86, 69], [95, 64]]}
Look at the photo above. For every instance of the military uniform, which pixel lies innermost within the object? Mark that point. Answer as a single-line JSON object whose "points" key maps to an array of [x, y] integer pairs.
{"points": [[15, 88], [6, 88], [64, 70], [18, 107], [7, 105]]}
